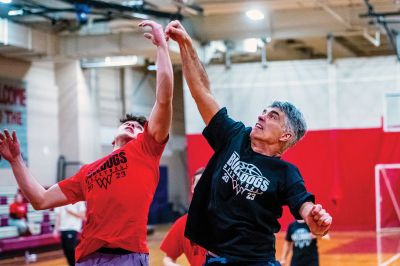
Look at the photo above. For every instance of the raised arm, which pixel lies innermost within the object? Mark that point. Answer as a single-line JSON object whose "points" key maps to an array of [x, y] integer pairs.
{"points": [[194, 72], [317, 219], [161, 116], [38, 196]]}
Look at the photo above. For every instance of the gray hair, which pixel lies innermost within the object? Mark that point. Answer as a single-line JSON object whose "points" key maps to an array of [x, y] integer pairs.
{"points": [[295, 122]]}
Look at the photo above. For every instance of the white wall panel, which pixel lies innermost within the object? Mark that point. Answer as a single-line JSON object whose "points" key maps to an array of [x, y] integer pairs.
{"points": [[348, 94], [42, 111]]}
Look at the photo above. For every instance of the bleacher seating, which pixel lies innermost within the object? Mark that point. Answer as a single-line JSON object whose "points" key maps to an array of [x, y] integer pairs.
{"points": [[42, 223], [3, 200], [4, 209], [4, 220], [27, 242], [8, 232]]}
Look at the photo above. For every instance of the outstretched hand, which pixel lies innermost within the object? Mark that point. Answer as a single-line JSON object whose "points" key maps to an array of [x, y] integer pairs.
{"points": [[156, 35], [318, 220], [9, 146], [176, 32]]}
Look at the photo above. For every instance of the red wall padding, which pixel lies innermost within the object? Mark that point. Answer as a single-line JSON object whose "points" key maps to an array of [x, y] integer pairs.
{"points": [[337, 166]]}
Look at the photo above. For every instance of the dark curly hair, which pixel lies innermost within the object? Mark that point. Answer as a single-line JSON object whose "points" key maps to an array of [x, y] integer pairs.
{"points": [[129, 117]]}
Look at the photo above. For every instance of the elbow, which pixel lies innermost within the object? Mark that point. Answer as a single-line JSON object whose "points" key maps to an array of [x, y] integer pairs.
{"points": [[165, 96], [39, 205], [165, 103]]}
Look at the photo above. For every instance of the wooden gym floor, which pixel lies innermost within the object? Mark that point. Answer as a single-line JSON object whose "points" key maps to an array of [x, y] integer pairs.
{"points": [[343, 249]]}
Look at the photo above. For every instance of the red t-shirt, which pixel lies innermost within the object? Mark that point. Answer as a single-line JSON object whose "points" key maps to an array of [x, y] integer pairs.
{"points": [[175, 243], [118, 190], [18, 210]]}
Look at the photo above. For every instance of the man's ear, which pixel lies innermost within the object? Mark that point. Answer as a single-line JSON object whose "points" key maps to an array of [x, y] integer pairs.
{"points": [[113, 142], [286, 137]]}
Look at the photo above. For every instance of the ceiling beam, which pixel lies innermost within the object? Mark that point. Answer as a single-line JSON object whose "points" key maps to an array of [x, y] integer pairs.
{"points": [[280, 24]]}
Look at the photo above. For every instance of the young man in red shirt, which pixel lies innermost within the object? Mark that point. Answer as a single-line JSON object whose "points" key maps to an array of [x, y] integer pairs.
{"points": [[118, 188], [175, 243]]}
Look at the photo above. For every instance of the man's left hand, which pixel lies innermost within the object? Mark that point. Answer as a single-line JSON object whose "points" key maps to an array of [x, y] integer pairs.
{"points": [[318, 220]]}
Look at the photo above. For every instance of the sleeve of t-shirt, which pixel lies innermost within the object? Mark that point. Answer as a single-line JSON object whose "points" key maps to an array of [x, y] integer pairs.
{"points": [[221, 129], [150, 145], [72, 187], [172, 244], [289, 233], [295, 192]]}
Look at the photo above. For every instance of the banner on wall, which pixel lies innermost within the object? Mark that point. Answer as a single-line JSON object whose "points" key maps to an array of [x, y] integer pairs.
{"points": [[13, 113]]}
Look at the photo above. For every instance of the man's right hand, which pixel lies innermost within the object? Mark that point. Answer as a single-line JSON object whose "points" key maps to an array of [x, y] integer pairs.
{"points": [[177, 32], [9, 146], [156, 35]]}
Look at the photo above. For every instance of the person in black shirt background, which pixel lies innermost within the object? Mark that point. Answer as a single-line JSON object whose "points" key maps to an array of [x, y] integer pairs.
{"points": [[303, 243], [237, 202]]}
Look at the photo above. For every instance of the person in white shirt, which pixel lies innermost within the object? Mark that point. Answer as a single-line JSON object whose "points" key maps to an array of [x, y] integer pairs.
{"points": [[67, 225]]}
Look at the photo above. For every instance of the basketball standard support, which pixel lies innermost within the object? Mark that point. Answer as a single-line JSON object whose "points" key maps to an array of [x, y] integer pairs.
{"points": [[380, 169], [381, 233]]}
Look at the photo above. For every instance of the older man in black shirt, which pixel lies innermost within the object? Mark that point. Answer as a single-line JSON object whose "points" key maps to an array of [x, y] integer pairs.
{"points": [[236, 205]]}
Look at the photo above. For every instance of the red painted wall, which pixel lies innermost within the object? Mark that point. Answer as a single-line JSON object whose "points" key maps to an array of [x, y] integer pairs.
{"points": [[337, 166]]}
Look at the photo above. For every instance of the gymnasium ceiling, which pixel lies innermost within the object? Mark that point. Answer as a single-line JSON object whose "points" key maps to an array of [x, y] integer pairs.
{"points": [[290, 29]]}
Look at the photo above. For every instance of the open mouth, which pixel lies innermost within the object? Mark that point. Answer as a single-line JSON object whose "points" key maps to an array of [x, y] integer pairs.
{"points": [[258, 126]]}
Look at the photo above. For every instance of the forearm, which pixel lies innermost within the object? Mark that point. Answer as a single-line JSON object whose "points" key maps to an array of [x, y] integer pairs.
{"points": [[165, 77], [161, 116], [32, 190], [198, 82], [193, 70]]}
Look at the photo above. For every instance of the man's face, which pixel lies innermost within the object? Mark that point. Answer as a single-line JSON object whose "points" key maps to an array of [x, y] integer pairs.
{"points": [[270, 126], [129, 130]]}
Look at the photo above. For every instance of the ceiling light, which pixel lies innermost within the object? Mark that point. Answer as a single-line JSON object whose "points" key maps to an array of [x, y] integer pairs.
{"points": [[15, 12], [255, 14]]}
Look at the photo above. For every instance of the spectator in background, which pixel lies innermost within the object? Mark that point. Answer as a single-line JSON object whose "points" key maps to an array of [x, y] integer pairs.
{"points": [[18, 214], [68, 224], [302, 243], [175, 243]]}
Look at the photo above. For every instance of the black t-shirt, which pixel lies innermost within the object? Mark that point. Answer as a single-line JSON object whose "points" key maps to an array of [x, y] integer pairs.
{"points": [[237, 202], [305, 250]]}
